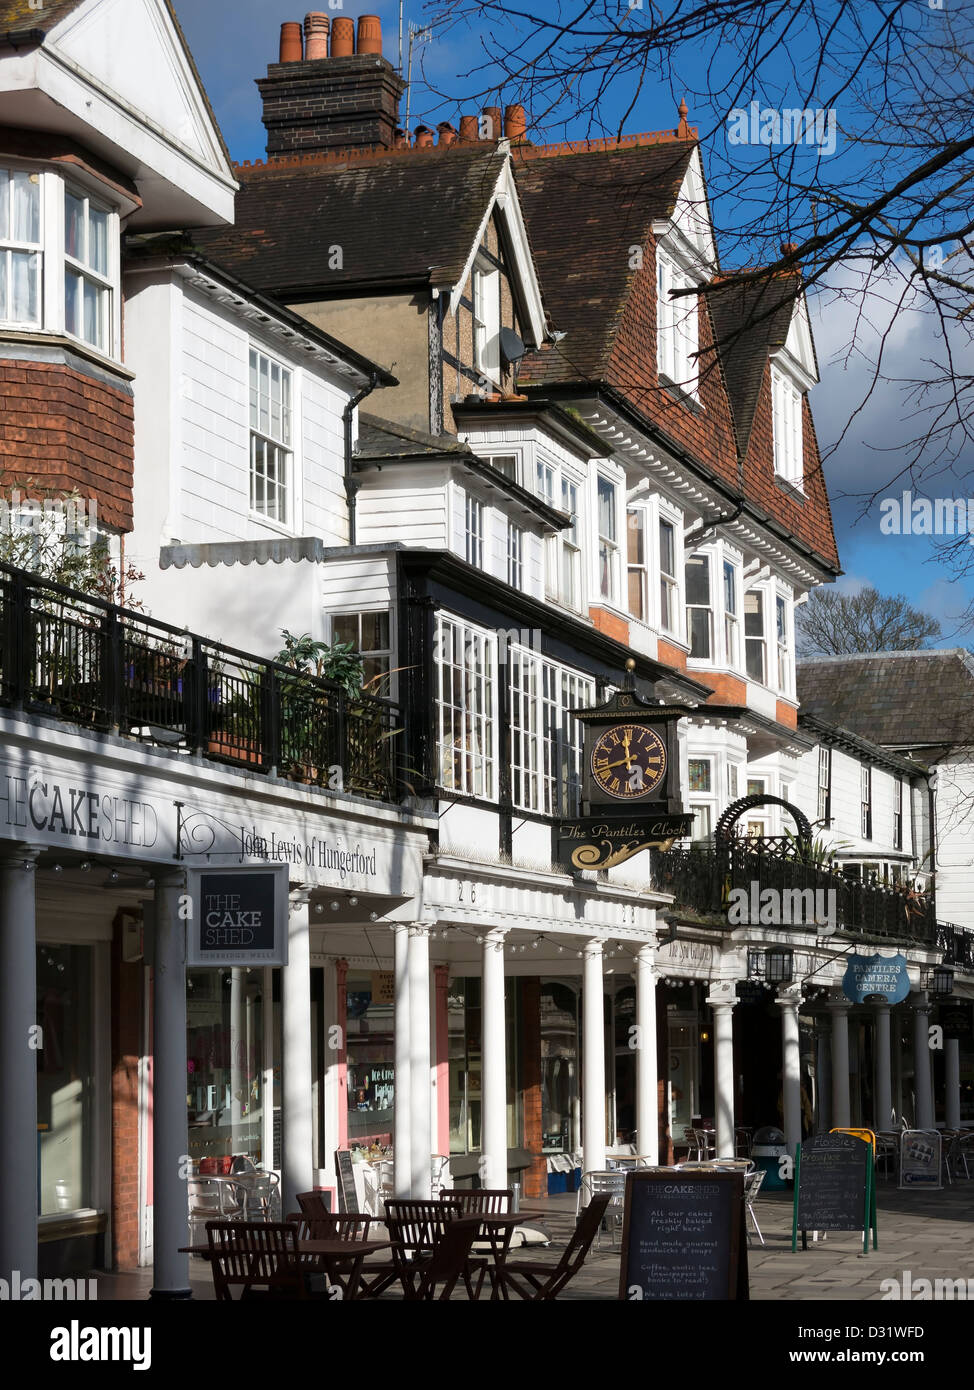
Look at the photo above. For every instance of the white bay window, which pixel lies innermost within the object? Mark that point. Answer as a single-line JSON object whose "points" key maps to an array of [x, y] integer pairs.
{"points": [[466, 708], [546, 742]]}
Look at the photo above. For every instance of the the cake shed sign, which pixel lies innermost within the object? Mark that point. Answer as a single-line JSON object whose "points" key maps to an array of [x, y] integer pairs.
{"points": [[238, 916]]}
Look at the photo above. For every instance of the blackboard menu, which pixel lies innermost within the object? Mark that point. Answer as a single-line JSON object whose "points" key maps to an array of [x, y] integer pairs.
{"points": [[347, 1195], [683, 1237], [833, 1171]]}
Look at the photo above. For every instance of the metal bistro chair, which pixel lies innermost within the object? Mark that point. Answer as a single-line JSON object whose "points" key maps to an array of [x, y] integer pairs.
{"points": [[752, 1186], [213, 1199], [598, 1184]]}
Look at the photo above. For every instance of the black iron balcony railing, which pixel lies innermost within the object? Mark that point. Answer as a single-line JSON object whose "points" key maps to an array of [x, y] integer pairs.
{"points": [[91, 663], [701, 880], [956, 944]]}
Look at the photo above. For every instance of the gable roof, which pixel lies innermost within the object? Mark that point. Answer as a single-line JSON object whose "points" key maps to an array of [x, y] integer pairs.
{"points": [[908, 699], [751, 320], [614, 194], [400, 218]]}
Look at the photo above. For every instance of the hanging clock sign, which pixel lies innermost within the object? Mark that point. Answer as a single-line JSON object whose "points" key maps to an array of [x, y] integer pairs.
{"points": [[631, 760]]}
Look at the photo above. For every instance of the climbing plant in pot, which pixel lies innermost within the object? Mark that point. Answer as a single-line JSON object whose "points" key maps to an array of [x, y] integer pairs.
{"points": [[309, 711]]}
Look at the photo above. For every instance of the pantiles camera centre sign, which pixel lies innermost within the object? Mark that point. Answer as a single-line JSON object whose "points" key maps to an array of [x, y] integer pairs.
{"points": [[237, 916]]}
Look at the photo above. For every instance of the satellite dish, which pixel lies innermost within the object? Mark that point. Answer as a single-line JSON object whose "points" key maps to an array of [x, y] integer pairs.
{"points": [[511, 345]]}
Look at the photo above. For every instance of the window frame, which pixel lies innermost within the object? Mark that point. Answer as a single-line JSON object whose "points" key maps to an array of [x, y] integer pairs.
{"points": [[897, 811], [824, 787], [677, 328], [289, 521], [515, 554], [87, 272], [371, 652], [546, 749], [638, 568], [670, 588], [607, 556], [760, 592], [486, 299], [474, 510], [783, 662], [731, 622], [707, 557], [12, 246], [478, 762], [787, 409], [563, 550], [866, 800]]}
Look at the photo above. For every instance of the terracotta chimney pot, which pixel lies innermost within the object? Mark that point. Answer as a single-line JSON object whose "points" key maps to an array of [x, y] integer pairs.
{"points": [[292, 48], [369, 34], [515, 122], [315, 36], [788, 248], [494, 127], [469, 130], [401, 139], [343, 38], [424, 137], [447, 134]]}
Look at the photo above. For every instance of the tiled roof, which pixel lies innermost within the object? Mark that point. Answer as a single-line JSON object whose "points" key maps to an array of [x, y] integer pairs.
{"points": [[19, 16], [384, 439], [898, 699], [585, 211], [751, 320], [397, 218]]}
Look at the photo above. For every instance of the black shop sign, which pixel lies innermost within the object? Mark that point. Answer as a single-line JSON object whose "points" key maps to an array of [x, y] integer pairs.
{"points": [[683, 1237], [237, 916]]}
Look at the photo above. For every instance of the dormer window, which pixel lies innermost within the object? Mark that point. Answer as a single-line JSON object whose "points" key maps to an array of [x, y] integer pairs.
{"points": [[676, 334], [487, 320], [788, 453]]}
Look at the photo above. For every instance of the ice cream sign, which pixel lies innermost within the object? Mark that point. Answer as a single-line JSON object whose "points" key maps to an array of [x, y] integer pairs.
{"points": [[875, 979]]}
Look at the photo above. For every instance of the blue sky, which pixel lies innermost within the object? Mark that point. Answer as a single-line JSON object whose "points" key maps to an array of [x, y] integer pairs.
{"points": [[233, 43]]}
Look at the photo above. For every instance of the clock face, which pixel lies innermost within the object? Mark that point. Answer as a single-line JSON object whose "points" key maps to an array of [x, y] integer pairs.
{"points": [[628, 761]]}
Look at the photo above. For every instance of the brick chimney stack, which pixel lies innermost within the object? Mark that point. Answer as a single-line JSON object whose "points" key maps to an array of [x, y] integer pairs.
{"points": [[348, 99]]}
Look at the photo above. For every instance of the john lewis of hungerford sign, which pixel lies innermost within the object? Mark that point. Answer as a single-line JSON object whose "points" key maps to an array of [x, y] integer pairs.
{"points": [[237, 916], [60, 805]]}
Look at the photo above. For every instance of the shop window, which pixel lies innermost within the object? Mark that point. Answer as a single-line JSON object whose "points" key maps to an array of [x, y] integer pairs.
{"points": [[225, 1084], [370, 1054], [65, 1078], [559, 1066]]}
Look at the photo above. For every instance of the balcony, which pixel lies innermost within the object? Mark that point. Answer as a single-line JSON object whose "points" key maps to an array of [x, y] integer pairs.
{"points": [[701, 881], [92, 664]]}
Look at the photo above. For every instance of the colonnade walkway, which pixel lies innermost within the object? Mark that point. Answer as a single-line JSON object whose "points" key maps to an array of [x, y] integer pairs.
{"points": [[922, 1235]]}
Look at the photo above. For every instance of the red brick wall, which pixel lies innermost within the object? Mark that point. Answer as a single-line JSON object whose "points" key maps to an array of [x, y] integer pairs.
{"points": [[786, 714], [609, 623], [535, 1177], [65, 432], [673, 656], [126, 1033]]}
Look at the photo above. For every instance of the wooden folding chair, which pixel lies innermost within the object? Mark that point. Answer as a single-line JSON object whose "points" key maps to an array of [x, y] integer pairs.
{"points": [[258, 1257], [534, 1279]]}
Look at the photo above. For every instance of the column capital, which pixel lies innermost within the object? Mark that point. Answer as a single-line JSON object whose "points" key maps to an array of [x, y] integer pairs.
{"points": [[789, 996], [420, 929], [494, 938], [23, 855], [298, 898], [839, 1003], [723, 994], [593, 947], [646, 954]]}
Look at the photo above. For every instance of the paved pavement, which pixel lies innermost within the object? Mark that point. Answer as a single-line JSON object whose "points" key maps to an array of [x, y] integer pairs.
{"points": [[929, 1234]]}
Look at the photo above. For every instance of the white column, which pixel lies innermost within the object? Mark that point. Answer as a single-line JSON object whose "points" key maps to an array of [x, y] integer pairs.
{"points": [[841, 1109], [823, 1079], [419, 1055], [238, 1050], [647, 1082], [723, 1007], [297, 1120], [401, 1132], [593, 1059], [788, 1002], [170, 1130], [18, 1065], [923, 1079], [882, 1119], [331, 1054], [493, 1142], [952, 1082]]}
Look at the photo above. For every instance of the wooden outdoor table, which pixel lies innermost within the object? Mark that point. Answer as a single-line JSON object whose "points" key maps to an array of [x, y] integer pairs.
{"points": [[330, 1255], [497, 1228]]}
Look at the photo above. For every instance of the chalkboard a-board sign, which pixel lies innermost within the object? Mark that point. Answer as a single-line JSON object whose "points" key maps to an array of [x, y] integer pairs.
{"points": [[347, 1195], [834, 1187], [683, 1237]]}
